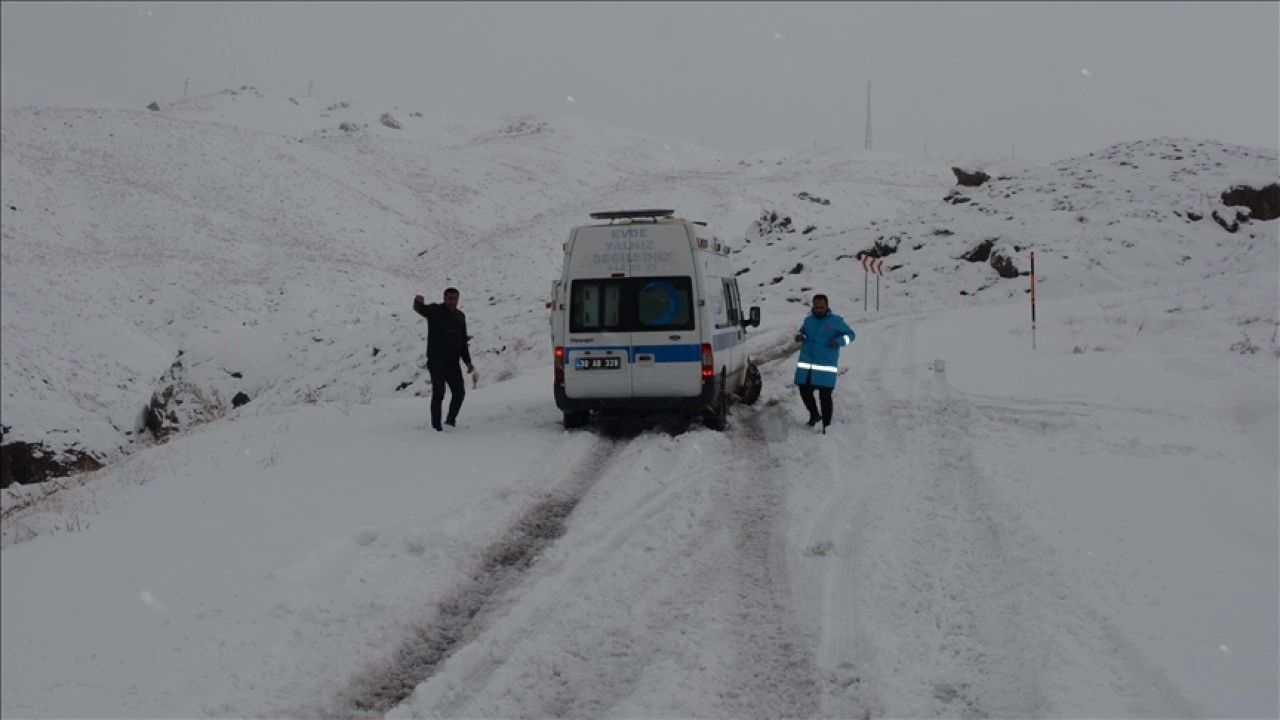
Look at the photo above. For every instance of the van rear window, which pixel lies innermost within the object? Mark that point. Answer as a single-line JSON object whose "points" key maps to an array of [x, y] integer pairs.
{"points": [[631, 304]]}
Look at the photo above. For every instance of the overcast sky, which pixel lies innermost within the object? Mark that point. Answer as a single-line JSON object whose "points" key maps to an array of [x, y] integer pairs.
{"points": [[1042, 80]]}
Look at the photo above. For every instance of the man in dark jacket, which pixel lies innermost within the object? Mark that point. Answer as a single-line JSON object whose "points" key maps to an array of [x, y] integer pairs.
{"points": [[446, 346]]}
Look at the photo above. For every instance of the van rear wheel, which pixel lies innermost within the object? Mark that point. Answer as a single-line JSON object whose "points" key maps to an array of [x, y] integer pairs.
{"points": [[716, 417], [576, 418]]}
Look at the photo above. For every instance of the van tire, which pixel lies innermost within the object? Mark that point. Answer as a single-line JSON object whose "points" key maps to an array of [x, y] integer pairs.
{"points": [[716, 417], [576, 418], [751, 386]]}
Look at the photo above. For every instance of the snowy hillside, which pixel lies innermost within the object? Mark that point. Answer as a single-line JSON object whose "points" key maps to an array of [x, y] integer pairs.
{"points": [[242, 234], [286, 257], [1083, 529]]}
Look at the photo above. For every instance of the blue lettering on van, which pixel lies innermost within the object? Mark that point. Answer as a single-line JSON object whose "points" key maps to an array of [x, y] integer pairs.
{"points": [[629, 245], [614, 258], [622, 233]]}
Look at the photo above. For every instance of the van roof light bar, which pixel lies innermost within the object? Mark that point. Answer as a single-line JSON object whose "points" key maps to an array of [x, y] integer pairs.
{"points": [[631, 214]]}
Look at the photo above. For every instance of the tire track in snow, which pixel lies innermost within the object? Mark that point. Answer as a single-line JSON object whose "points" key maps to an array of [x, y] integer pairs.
{"points": [[947, 604], [775, 670], [832, 543], [672, 605], [464, 614], [1117, 677], [600, 543], [925, 607], [985, 651]]}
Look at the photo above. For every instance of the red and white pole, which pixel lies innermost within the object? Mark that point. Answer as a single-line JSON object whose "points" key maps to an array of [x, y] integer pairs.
{"points": [[1033, 301]]}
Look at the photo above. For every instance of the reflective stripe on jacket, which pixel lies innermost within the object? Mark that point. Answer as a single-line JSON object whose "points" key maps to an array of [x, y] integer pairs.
{"points": [[819, 362]]}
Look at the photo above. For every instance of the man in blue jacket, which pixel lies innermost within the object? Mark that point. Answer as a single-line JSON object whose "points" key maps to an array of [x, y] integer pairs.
{"points": [[821, 335]]}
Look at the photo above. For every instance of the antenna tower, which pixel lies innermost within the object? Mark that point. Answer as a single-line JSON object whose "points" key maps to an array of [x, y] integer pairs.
{"points": [[866, 144]]}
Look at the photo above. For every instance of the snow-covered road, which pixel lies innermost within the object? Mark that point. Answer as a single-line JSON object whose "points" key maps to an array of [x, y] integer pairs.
{"points": [[884, 569]]}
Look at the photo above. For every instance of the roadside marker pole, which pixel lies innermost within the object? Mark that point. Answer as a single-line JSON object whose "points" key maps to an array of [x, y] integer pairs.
{"points": [[1033, 301], [871, 265]]}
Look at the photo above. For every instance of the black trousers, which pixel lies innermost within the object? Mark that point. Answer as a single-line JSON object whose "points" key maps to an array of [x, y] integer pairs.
{"points": [[824, 395], [445, 372]]}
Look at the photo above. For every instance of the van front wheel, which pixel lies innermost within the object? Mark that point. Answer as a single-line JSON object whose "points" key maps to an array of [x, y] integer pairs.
{"points": [[751, 386]]}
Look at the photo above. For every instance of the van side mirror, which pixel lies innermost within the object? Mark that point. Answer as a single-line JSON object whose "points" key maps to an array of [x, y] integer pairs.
{"points": [[753, 318]]}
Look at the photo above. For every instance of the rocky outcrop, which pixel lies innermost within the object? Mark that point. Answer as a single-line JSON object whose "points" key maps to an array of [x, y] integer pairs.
{"points": [[1004, 265], [770, 223], [158, 418], [980, 252], [998, 258], [1263, 204], [968, 178], [25, 463]]}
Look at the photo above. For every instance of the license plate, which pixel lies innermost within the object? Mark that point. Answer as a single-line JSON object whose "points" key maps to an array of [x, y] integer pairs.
{"points": [[598, 363]]}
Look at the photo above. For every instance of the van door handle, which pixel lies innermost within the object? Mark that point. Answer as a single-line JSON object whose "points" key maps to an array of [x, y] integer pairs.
{"points": [[644, 358], [673, 337]]}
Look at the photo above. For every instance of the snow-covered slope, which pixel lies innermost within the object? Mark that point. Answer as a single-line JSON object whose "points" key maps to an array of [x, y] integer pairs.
{"points": [[243, 243]]}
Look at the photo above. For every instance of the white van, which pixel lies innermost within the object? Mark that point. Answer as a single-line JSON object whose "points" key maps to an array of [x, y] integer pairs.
{"points": [[646, 317]]}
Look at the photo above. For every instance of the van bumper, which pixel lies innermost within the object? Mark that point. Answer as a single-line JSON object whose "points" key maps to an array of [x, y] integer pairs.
{"points": [[642, 404]]}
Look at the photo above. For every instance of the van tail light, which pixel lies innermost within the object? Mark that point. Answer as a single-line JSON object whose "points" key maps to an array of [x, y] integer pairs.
{"points": [[708, 362], [559, 361]]}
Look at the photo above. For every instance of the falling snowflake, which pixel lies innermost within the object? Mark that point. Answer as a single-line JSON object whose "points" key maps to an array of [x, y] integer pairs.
{"points": [[150, 600], [1085, 72], [570, 98], [779, 36]]}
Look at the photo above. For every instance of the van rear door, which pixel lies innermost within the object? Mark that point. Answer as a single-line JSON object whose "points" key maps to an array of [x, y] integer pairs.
{"points": [[666, 348], [597, 345], [598, 349]]}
